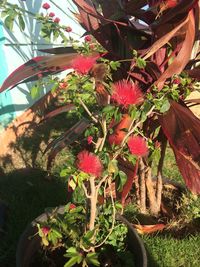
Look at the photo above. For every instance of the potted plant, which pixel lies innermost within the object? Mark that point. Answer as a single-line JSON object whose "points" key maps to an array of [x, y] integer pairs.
{"points": [[128, 89]]}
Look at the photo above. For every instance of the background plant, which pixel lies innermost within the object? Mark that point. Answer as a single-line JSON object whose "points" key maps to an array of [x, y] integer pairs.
{"points": [[151, 57]]}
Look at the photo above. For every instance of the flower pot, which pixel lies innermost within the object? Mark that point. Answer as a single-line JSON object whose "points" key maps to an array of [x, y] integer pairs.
{"points": [[29, 243]]}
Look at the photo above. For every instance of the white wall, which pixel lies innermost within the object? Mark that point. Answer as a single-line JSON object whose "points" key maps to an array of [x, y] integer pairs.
{"points": [[18, 47]]}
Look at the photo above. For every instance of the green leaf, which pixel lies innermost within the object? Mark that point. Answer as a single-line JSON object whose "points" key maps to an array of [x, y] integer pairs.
{"points": [[118, 206], [112, 167], [9, 22], [71, 252], [114, 65], [141, 63], [108, 109], [4, 14], [56, 233], [45, 242], [87, 238], [122, 180], [21, 22], [64, 173], [165, 106], [93, 259], [71, 262], [35, 92]]}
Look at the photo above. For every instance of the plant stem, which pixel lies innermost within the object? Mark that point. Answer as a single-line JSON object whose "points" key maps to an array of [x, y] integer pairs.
{"points": [[104, 129], [154, 209], [142, 186], [113, 216], [93, 203], [87, 110]]}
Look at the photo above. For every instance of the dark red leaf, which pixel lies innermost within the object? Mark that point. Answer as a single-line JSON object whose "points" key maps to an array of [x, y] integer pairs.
{"points": [[180, 10], [194, 73], [87, 14], [182, 129], [58, 111], [181, 60], [59, 50], [37, 67], [131, 172], [65, 139]]}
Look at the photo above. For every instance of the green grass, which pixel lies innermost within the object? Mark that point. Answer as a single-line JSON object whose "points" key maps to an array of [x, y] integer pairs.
{"points": [[166, 251]]}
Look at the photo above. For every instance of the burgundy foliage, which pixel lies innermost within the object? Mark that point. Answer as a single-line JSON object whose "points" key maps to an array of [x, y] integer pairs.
{"points": [[159, 24]]}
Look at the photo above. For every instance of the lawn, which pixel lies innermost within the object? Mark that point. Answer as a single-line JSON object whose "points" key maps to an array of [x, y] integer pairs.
{"points": [[27, 193]]}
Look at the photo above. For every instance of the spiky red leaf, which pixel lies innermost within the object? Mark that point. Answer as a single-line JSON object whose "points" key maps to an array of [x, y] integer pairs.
{"points": [[182, 130]]}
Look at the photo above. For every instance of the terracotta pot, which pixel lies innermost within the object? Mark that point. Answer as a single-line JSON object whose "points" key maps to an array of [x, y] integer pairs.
{"points": [[27, 247]]}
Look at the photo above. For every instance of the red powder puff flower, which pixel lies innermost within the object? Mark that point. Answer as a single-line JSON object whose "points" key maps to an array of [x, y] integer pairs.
{"points": [[138, 146], [46, 6], [83, 64], [45, 230], [68, 29], [88, 38], [89, 140], [89, 163], [56, 20], [126, 93], [51, 14]]}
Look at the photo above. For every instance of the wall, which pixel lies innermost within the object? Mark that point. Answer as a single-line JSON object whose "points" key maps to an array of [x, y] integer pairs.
{"points": [[17, 47]]}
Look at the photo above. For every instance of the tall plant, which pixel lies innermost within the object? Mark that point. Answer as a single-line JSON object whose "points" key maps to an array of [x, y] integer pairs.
{"points": [[139, 77]]}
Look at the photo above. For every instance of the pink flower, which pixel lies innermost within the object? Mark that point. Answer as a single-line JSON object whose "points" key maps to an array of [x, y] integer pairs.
{"points": [[56, 20], [126, 93], [138, 146], [63, 85], [68, 29], [82, 64], [89, 163], [46, 6], [92, 46], [72, 206], [45, 230], [89, 140], [177, 81], [51, 14], [88, 38]]}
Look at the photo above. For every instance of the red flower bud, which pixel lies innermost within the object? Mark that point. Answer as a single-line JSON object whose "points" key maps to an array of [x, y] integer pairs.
{"points": [[177, 81], [89, 140], [56, 20], [72, 206], [51, 14], [88, 38], [46, 6], [68, 29], [45, 230]]}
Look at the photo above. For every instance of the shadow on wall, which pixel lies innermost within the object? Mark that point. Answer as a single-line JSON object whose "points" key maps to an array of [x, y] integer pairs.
{"points": [[20, 46], [30, 137]]}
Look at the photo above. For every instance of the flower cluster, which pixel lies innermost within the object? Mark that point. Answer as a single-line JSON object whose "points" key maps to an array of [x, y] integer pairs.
{"points": [[46, 6]]}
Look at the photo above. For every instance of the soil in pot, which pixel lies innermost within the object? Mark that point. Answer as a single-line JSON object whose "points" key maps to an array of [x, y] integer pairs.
{"points": [[108, 258]]}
